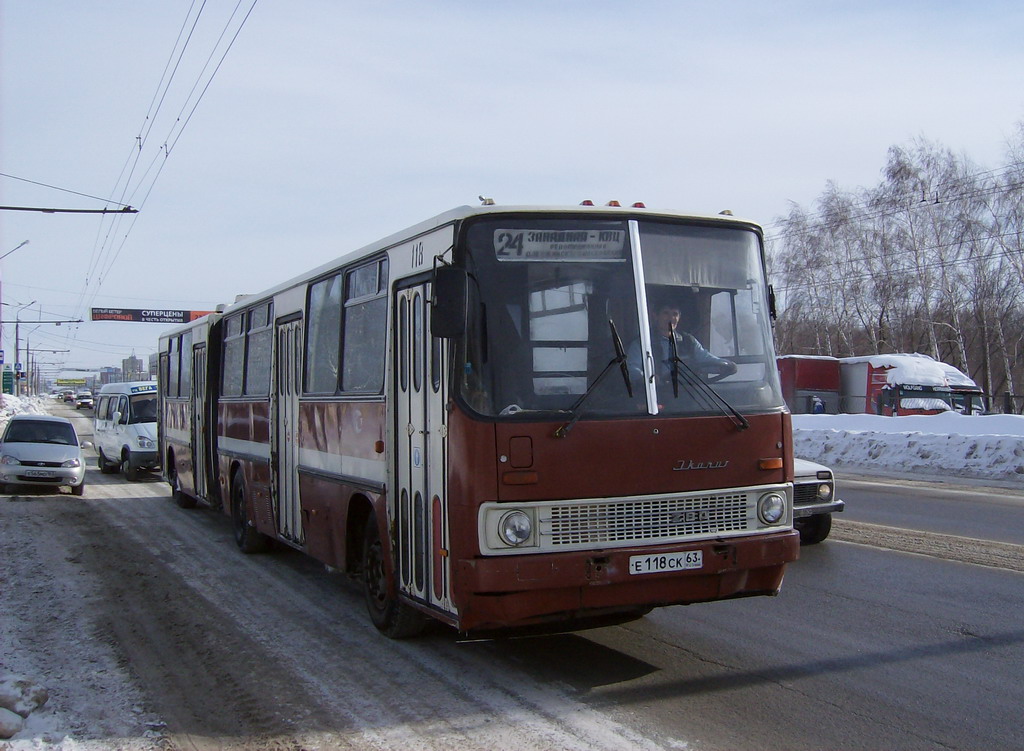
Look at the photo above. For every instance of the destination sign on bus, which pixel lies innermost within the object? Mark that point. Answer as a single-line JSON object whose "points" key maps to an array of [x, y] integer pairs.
{"points": [[578, 244]]}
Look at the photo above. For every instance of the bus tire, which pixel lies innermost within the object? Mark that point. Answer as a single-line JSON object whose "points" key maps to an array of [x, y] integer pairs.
{"points": [[247, 537], [392, 617], [183, 499]]}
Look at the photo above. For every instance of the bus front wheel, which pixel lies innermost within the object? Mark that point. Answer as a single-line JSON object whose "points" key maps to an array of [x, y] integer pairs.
{"points": [[389, 614]]}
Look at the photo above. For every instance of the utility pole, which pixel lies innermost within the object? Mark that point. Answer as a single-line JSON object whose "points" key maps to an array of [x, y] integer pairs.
{"points": [[33, 371], [17, 343], [22, 244]]}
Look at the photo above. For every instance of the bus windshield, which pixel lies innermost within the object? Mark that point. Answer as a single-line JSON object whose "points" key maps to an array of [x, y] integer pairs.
{"points": [[557, 305]]}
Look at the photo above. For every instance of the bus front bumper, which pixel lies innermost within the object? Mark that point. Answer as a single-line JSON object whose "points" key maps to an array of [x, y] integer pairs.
{"points": [[512, 591]]}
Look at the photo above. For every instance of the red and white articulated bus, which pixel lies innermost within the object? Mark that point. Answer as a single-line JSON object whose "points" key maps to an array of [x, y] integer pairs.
{"points": [[475, 417]]}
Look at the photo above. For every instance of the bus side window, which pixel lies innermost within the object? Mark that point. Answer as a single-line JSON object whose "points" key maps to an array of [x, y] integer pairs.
{"points": [[365, 329], [323, 332], [234, 356]]}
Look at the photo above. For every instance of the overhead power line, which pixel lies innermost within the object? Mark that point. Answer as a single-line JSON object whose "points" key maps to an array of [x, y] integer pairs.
{"points": [[125, 210], [110, 239], [62, 190]]}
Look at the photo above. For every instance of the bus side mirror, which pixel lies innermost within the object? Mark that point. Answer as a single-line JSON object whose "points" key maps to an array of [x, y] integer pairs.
{"points": [[772, 311], [449, 302]]}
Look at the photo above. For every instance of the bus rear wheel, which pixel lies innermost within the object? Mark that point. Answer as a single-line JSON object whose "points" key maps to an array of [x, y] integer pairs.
{"points": [[392, 617], [183, 499], [247, 537]]}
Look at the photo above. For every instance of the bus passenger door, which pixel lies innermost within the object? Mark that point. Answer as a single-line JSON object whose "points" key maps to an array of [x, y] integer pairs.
{"points": [[421, 504], [285, 424], [199, 441]]}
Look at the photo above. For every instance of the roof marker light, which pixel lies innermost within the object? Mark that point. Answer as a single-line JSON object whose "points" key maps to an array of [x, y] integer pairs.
{"points": [[613, 203], [586, 202], [639, 205]]}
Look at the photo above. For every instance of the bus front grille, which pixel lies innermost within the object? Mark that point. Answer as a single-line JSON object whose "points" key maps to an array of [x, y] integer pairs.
{"points": [[638, 521]]}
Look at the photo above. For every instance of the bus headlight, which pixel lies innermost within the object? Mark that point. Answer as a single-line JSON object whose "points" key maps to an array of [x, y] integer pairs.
{"points": [[515, 528], [825, 491], [771, 507]]}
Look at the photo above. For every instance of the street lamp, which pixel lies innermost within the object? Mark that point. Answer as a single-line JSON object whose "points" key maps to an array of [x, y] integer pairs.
{"points": [[22, 244]]}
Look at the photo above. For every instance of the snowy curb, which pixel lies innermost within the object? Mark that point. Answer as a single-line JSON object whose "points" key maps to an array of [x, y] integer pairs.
{"points": [[982, 457], [19, 697]]}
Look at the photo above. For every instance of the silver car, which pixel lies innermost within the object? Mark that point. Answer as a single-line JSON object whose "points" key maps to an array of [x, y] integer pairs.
{"points": [[42, 451]]}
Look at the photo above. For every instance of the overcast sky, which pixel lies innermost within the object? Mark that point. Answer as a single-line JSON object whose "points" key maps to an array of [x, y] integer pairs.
{"points": [[330, 124]]}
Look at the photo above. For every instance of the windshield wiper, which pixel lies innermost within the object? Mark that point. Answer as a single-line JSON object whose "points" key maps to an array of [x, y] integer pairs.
{"points": [[620, 360], [698, 386]]}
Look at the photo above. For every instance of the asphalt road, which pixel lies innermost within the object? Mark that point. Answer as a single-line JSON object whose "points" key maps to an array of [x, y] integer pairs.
{"points": [[865, 648], [977, 511]]}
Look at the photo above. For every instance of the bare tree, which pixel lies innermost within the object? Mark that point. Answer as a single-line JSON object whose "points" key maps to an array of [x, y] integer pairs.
{"points": [[930, 260]]}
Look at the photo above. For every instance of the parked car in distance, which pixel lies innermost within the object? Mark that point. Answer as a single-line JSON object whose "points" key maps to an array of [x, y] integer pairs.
{"points": [[814, 500], [41, 451], [83, 400], [125, 428]]}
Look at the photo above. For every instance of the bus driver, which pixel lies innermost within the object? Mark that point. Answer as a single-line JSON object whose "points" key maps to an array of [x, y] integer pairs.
{"points": [[664, 324]]}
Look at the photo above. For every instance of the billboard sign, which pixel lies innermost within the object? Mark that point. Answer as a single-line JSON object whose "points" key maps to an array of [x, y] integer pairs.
{"points": [[138, 315]]}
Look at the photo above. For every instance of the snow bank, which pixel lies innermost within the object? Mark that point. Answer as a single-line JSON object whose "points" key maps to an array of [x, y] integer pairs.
{"points": [[16, 405], [19, 697], [984, 447]]}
